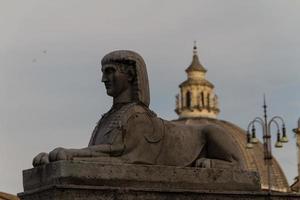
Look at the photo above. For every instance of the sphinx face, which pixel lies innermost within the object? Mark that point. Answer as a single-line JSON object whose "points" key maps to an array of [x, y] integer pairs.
{"points": [[115, 81]]}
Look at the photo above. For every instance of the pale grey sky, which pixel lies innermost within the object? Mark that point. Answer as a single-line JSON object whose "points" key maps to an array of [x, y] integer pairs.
{"points": [[50, 53]]}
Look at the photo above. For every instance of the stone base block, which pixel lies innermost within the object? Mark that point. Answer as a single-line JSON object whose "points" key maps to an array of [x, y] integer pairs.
{"points": [[66, 180]]}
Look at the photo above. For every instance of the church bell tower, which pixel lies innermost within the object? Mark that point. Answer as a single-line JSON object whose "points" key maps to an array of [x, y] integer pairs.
{"points": [[196, 97]]}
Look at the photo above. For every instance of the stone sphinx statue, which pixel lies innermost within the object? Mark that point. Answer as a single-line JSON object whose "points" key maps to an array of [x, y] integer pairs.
{"points": [[131, 133]]}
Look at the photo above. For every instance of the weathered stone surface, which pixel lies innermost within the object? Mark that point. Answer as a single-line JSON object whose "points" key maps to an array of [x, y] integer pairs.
{"points": [[139, 176], [102, 193], [95, 180]]}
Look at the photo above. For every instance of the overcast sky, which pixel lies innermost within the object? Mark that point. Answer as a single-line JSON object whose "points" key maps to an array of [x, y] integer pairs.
{"points": [[50, 82]]}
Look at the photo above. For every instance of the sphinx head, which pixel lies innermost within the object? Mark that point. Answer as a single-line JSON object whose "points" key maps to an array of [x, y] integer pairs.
{"points": [[125, 76]]}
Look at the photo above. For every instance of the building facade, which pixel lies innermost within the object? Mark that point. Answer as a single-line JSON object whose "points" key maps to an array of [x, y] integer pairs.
{"points": [[197, 104]]}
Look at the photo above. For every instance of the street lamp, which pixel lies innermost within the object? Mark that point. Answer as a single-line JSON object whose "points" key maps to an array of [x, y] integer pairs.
{"points": [[266, 130], [297, 131]]}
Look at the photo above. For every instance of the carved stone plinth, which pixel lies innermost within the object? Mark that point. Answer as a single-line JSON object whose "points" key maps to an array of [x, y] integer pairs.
{"points": [[66, 180]]}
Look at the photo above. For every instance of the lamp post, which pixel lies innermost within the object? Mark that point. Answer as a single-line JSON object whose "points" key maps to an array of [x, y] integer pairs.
{"points": [[266, 130], [297, 131]]}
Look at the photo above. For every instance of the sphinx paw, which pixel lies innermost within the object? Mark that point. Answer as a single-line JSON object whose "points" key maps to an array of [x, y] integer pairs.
{"points": [[40, 159], [203, 163]]}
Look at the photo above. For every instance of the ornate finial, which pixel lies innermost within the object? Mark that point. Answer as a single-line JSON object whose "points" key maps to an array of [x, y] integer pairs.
{"points": [[265, 104], [265, 108], [195, 48]]}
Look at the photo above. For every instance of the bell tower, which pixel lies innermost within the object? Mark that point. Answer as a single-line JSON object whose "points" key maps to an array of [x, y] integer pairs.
{"points": [[196, 97]]}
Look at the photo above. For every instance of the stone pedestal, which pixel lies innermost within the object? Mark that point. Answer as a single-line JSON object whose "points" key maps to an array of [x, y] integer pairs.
{"points": [[66, 180]]}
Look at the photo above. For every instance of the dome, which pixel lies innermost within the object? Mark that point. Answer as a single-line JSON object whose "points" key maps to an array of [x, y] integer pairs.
{"points": [[6, 196], [253, 158]]}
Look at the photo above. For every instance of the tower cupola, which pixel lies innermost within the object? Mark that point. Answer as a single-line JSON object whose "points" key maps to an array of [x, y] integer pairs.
{"points": [[196, 97]]}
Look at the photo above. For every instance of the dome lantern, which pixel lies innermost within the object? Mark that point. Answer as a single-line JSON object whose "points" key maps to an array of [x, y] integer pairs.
{"points": [[196, 97]]}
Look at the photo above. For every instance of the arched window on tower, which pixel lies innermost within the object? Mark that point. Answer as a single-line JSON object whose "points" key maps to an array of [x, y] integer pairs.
{"points": [[199, 101], [202, 99], [188, 99], [208, 100]]}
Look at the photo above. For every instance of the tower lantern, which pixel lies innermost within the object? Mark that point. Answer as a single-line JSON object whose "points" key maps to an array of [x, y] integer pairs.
{"points": [[196, 97]]}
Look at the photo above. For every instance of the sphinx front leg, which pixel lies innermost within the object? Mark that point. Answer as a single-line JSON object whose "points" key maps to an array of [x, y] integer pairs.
{"points": [[62, 154], [96, 151]]}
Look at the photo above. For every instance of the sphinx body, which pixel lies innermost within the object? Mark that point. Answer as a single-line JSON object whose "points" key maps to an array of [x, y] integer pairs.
{"points": [[136, 135], [131, 133]]}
